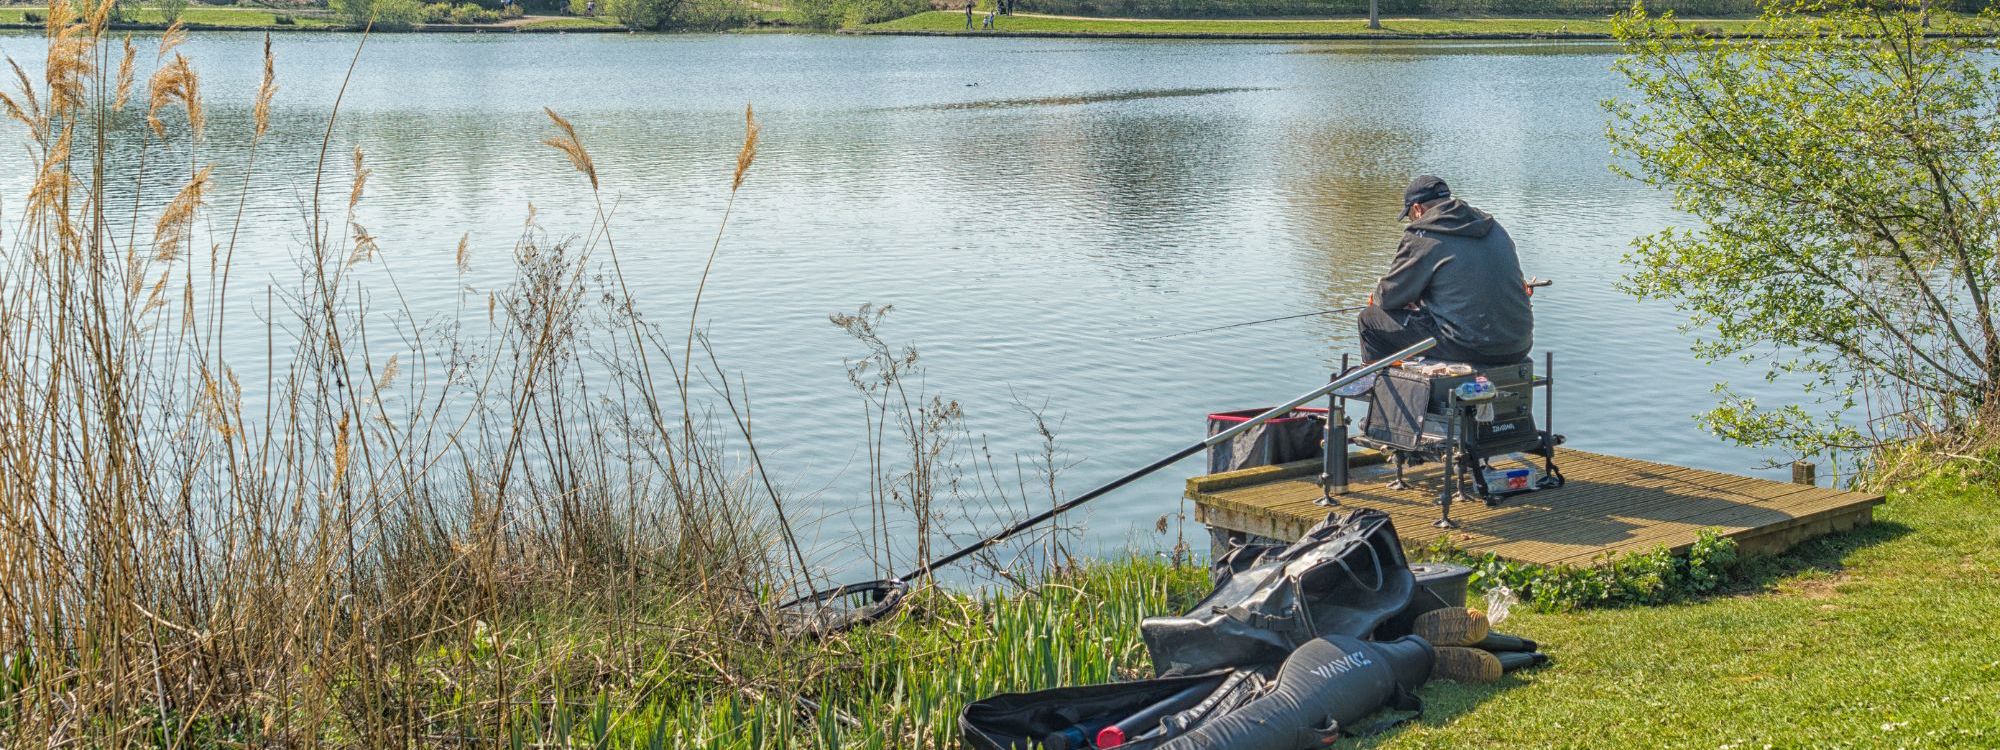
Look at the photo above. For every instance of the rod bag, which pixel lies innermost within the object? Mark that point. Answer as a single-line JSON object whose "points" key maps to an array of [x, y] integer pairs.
{"points": [[1346, 576], [1325, 686], [1021, 721]]}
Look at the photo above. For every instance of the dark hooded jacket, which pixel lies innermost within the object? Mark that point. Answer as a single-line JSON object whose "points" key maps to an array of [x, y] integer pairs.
{"points": [[1459, 265]]}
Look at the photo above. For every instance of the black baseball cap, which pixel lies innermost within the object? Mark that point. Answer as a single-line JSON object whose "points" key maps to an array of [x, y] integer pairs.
{"points": [[1424, 189]]}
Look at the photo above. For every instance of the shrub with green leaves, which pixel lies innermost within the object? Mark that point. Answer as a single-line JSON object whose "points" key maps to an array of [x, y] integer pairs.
{"points": [[171, 10], [1842, 185], [1656, 577], [468, 13]]}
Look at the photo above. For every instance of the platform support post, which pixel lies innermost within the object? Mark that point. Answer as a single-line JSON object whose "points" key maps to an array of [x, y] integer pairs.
{"points": [[1333, 453], [1805, 472]]}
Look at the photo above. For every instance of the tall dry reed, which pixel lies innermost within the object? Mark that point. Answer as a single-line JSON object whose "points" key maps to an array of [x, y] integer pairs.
{"points": [[344, 550]]}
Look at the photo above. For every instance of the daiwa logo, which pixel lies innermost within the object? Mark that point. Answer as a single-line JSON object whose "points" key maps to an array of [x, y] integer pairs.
{"points": [[1342, 665]]}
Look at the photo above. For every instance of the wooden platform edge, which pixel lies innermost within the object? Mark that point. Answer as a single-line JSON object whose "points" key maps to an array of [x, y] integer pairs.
{"points": [[1780, 537], [1199, 487]]}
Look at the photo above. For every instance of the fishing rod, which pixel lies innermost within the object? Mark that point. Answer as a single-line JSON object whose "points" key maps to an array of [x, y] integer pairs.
{"points": [[821, 612], [1355, 308], [1531, 284]]}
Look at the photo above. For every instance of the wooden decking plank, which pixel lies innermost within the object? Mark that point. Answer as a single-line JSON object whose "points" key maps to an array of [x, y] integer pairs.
{"points": [[1802, 509], [1611, 504]]}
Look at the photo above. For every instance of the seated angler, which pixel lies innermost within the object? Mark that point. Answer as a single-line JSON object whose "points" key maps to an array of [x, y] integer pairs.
{"points": [[1455, 278]]}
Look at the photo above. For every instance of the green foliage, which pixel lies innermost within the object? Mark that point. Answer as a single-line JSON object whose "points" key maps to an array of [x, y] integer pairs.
{"points": [[436, 12], [1656, 577], [398, 15], [832, 14], [170, 10], [387, 15], [1843, 181], [357, 13], [1355, 8], [283, 19], [468, 13], [678, 15], [513, 10]]}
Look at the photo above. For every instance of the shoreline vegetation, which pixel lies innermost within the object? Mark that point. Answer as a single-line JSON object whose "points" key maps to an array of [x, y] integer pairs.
{"points": [[553, 529], [952, 23], [939, 23]]}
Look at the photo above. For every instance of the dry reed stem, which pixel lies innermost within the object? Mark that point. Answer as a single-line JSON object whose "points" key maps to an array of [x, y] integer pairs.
{"points": [[748, 153], [175, 83], [571, 147], [360, 183], [123, 91], [260, 114], [171, 231]]}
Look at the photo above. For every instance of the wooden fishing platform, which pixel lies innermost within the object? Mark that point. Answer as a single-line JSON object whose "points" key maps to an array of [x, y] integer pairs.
{"points": [[1610, 506]]}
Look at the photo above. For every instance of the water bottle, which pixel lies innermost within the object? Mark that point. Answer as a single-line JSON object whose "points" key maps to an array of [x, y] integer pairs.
{"points": [[1475, 390]]}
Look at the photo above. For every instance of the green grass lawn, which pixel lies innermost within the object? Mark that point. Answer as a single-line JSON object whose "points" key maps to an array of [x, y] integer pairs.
{"points": [[1877, 638], [1881, 637], [950, 21]]}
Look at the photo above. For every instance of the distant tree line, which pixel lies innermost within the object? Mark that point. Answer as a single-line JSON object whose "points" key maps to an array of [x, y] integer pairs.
{"points": [[1334, 8], [660, 15]]}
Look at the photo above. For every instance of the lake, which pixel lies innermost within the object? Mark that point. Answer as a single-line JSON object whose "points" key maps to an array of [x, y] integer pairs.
{"points": [[1032, 209]]}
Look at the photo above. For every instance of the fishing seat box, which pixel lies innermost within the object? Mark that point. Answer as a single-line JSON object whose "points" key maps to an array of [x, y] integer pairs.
{"points": [[1411, 411]]}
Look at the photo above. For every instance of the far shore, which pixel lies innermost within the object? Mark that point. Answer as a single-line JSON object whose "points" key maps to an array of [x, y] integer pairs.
{"points": [[953, 23]]}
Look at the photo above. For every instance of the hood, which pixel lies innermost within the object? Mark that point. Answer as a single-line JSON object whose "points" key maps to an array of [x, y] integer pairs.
{"points": [[1454, 216]]}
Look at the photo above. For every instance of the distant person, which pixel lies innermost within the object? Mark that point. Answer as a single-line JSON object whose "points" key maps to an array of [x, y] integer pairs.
{"points": [[988, 25], [1455, 278], [590, 8], [968, 16]]}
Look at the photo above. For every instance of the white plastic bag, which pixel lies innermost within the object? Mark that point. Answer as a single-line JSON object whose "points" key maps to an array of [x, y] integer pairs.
{"points": [[1498, 600]]}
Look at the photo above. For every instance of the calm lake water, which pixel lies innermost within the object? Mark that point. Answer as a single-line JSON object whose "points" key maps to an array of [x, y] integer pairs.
{"points": [[1032, 208]]}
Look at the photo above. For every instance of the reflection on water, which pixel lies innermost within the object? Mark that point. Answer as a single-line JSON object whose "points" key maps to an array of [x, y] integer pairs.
{"points": [[1027, 246]]}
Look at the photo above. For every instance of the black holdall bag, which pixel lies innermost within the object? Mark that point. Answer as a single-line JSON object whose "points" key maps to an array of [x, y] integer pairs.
{"points": [[1346, 576], [1019, 721], [1309, 701]]}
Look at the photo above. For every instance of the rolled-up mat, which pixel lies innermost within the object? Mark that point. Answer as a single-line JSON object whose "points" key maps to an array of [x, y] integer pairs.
{"points": [[1326, 684]]}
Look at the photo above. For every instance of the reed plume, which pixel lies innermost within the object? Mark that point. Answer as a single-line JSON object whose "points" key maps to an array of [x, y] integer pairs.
{"points": [[170, 231], [571, 147], [748, 153], [260, 113]]}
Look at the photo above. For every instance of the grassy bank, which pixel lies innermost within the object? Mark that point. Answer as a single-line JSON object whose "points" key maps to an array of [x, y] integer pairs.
{"points": [[946, 22], [1874, 638]]}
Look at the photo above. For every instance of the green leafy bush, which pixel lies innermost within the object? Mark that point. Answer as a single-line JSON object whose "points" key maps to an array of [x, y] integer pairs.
{"points": [[513, 10], [675, 15], [398, 15], [467, 13], [356, 13], [171, 10], [437, 12], [283, 19], [1656, 577]]}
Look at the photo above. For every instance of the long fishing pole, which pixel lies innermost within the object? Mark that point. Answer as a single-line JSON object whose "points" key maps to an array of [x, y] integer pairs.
{"points": [[1531, 285], [1217, 438], [1258, 322]]}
